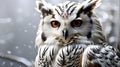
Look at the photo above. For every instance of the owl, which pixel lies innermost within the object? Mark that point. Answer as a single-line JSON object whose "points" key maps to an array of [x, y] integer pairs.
{"points": [[70, 35]]}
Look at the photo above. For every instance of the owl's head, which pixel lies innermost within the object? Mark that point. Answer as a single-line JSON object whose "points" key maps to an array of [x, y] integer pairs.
{"points": [[66, 21]]}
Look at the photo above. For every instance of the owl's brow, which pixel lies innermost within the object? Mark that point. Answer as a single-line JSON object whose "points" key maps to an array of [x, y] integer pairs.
{"points": [[68, 8]]}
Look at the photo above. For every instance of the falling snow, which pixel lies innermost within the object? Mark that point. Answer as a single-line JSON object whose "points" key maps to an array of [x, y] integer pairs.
{"points": [[17, 47], [19, 21], [29, 46], [9, 52], [19, 10], [2, 41], [25, 31], [3, 63], [11, 63], [24, 45]]}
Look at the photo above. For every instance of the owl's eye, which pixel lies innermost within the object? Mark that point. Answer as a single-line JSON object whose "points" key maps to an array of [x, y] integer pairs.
{"points": [[55, 24], [76, 23]]}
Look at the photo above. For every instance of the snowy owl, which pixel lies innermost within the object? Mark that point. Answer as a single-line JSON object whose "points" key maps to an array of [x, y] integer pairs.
{"points": [[70, 35]]}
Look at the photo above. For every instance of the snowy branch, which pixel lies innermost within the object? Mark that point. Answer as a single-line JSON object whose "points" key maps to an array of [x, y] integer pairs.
{"points": [[17, 59]]}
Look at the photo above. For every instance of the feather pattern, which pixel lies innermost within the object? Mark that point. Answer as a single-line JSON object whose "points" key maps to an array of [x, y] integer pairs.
{"points": [[70, 35]]}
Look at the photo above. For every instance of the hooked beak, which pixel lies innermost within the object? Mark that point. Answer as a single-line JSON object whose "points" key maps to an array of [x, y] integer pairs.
{"points": [[65, 34]]}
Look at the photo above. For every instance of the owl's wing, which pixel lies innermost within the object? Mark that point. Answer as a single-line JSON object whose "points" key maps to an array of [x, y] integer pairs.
{"points": [[97, 56]]}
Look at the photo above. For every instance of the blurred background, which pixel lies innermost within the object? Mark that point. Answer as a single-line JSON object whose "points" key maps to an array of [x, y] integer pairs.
{"points": [[18, 26]]}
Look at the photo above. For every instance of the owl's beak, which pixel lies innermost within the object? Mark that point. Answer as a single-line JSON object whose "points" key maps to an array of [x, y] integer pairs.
{"points": [[65, 34]]}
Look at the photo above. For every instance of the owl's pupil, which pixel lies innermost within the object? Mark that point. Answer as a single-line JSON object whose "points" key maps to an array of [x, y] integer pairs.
{"points": [[56, 23]]}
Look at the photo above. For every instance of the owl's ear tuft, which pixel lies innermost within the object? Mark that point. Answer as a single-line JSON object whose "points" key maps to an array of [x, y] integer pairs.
{"points": [[89, 5], [44, 8]]}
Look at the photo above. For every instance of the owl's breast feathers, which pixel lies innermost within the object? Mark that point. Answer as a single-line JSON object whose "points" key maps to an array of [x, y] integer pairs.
{"points": [[78, 55]]}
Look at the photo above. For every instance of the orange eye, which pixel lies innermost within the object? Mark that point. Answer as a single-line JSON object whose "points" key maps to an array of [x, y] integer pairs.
{"points": [[76, 23], [55, 24]]}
